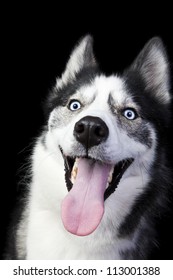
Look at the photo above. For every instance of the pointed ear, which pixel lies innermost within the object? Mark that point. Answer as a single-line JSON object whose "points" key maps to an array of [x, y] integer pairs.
{"points": [[81, 57], [152, 65]]}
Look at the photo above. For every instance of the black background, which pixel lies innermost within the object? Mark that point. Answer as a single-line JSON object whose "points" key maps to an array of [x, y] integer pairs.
{"points": [[36, 46]]}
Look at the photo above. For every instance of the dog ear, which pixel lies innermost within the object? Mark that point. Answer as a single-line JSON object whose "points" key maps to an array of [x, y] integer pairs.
{"points": [[81, 57], [152, 65]]}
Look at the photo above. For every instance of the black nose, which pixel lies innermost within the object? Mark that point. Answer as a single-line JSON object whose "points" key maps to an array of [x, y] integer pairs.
{"points": [[91, 131]]}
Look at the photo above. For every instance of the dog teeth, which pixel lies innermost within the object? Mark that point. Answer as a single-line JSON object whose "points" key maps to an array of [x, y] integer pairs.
{"points": [[107, 185], [110, 175], [74, 171]]}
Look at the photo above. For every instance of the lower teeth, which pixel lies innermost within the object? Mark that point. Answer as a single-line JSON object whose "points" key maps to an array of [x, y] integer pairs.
{"points": [[74, 171], [110, 175], [74, 174]]}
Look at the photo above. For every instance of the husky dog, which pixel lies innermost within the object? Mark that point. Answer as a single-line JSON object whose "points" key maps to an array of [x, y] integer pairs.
{"points": [[100, 176]]}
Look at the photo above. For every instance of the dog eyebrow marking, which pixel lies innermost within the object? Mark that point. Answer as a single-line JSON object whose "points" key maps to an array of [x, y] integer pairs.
{"points": [[111, 103], [110, 99], [87, 94]]}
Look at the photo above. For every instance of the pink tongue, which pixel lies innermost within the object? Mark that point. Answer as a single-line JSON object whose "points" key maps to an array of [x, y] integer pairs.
{"points": [[83, 207]]}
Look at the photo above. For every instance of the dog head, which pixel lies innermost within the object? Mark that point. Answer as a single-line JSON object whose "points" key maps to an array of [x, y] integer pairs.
{"points": [[106, 127]]}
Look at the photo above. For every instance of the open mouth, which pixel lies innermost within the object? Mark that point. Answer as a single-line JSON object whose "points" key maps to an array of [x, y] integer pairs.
{"points": [[89, 182]]}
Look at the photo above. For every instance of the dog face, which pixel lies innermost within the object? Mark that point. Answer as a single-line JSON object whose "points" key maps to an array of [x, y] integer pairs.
{"points": [[105, 100], [105, 127]]}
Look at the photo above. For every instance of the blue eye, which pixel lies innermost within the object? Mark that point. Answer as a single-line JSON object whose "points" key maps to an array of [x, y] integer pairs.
{"points": [[74, 105], [130, 114]]}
